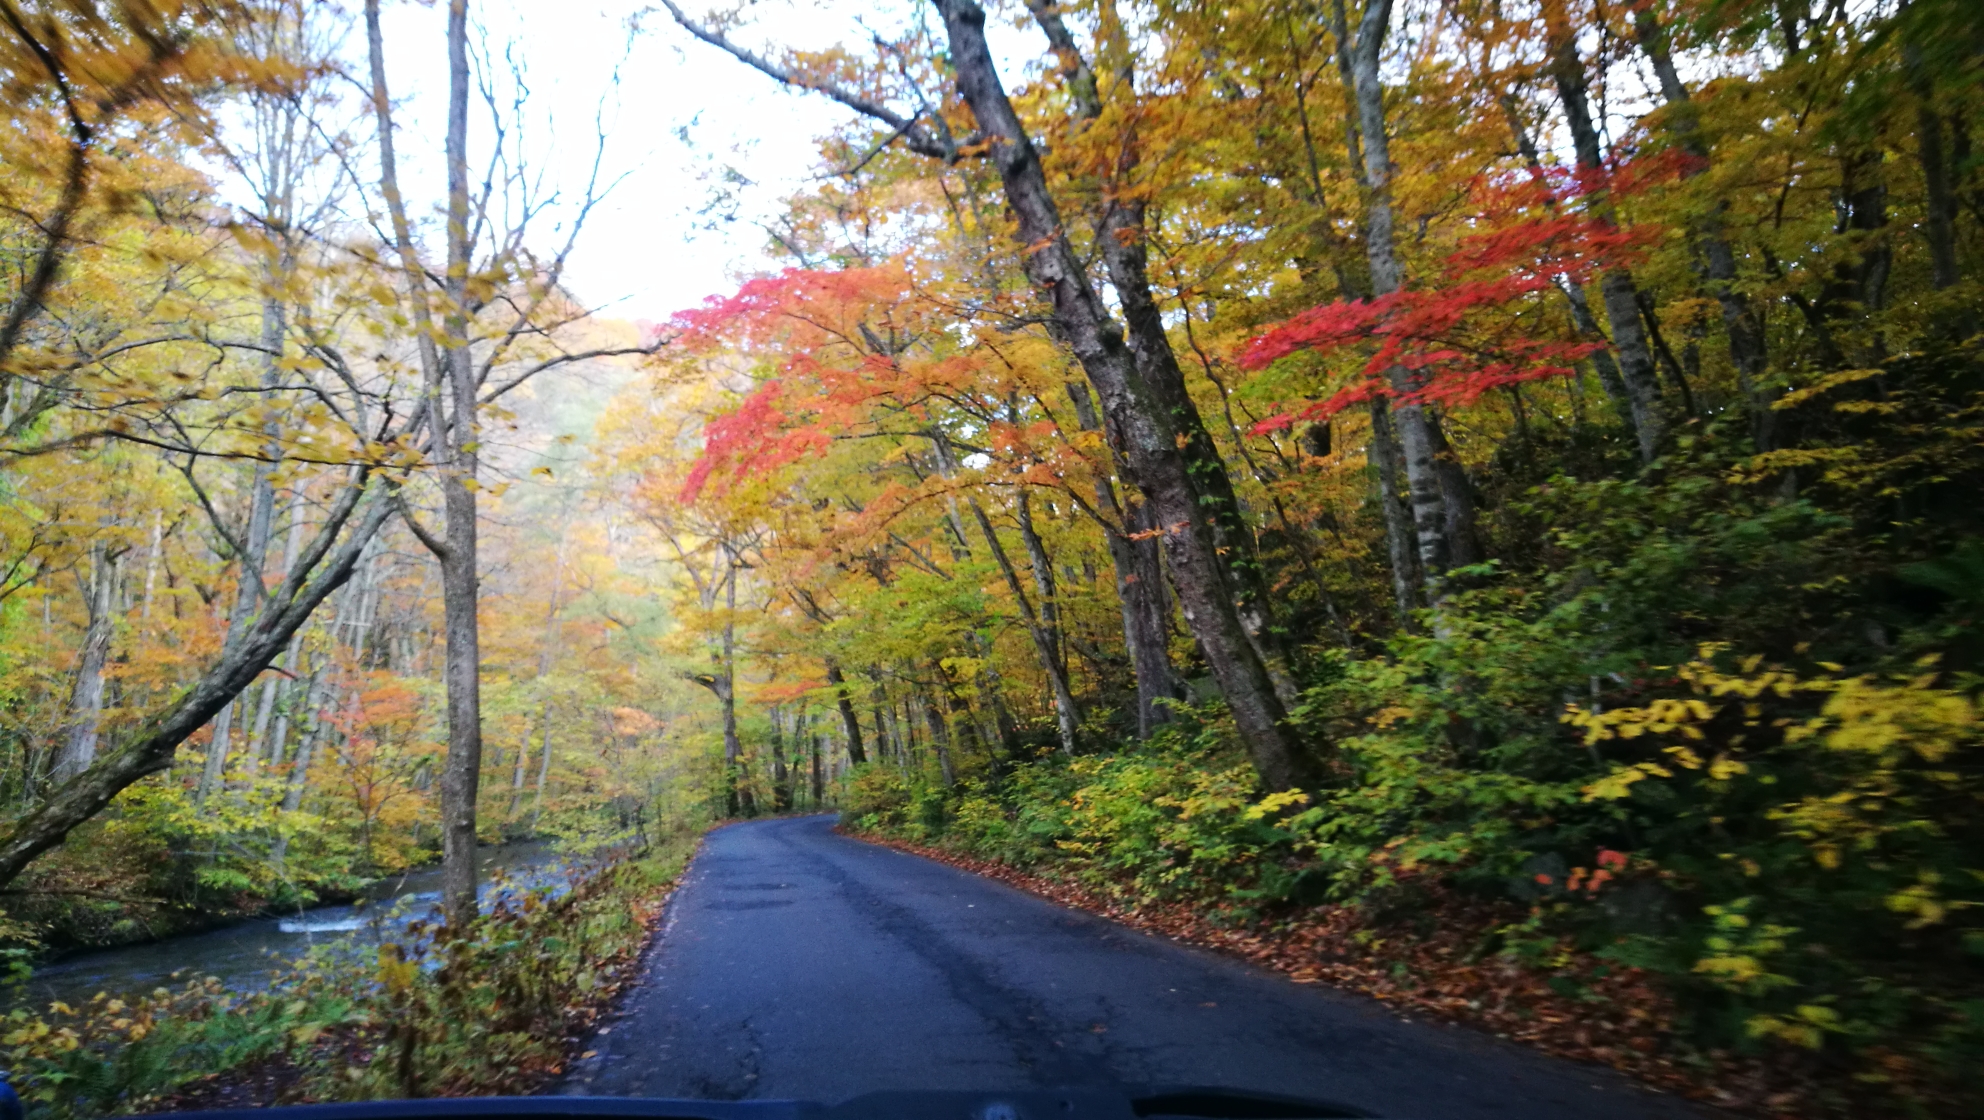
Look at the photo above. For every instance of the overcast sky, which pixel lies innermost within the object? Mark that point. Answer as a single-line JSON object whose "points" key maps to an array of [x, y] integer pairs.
{"points": [[646, 252]]}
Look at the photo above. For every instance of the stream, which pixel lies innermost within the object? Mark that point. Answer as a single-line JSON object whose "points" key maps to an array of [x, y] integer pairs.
{"points": [[244, 955]]}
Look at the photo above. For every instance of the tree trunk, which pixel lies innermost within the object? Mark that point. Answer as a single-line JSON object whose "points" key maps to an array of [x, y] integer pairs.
{"points": [[1616, 285], [1574, 294], [1418, 441], [1939, 190], [1067, 716], [1039, 624], [322, 692], [448, 377], [1609, 377], [1043, 576], [543, 770], [547, 656], [1146, 614], [992, 686], [1148, 428], [461, 773], [781, 778], [292, 661], [1121, 239], [887, 747], [152, 557], [1939, 225], [940, 740], [298, 779], [1739, 318], [272, 686], [1230, 537], [315, 702], [1399, 538], [1864, 187], [77, 748], [819, 782], [1139, 565], [248, 592], [1457, 500], [849, 721], [738, 799]]}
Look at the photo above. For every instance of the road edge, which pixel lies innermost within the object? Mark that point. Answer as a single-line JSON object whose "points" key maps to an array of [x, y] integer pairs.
{"points": [[1187, 926]]}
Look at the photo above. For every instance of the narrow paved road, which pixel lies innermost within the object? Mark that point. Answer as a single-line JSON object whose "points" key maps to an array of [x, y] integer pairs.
{"points": [[797, 963]]}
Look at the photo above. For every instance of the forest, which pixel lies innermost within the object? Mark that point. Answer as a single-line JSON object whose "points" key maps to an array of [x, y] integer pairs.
{"points": [[1461, 499]]}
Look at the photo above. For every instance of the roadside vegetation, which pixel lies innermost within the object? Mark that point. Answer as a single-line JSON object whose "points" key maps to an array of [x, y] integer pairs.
{"points": [[499, 1008]]}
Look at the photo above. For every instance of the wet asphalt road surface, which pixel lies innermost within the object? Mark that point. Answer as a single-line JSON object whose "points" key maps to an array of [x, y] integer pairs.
{"points": [[797, 963]]}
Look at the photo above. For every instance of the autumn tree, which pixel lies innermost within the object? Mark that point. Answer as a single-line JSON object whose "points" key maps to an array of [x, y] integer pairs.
{"points": [[1162, 437]]}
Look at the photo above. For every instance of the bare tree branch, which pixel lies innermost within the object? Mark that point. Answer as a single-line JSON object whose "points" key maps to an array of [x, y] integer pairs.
{"points": [[915, 136]]}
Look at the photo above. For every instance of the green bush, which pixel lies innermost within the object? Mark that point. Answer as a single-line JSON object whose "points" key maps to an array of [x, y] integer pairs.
{"points": [[1664, 738]]}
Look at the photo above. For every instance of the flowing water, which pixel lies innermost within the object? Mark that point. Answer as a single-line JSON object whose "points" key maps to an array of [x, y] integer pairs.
{"points": [[244, 955]]}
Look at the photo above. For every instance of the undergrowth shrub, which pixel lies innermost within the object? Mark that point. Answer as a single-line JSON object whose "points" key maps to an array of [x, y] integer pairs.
{"points": [[434, 1014], [1699, 731]]}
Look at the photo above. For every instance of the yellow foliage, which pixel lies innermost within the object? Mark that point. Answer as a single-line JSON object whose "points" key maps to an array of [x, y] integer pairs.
{"points": [[1889, 724], [1807, 1026]]}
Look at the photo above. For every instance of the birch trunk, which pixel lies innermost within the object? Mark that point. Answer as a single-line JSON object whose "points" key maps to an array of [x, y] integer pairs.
{"points": [[1398, 519], [1616, 286], [543, 770], [319, 696], [77, 748], [248, 593], [272, 685], [292, 660], [152, 557], [1418, 443], [546, 658]]}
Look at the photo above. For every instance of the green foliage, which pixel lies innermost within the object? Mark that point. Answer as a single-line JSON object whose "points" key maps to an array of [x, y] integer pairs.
{"points": [[1696, 729], [460, 1015], [440, 1014], [112, 1054]]}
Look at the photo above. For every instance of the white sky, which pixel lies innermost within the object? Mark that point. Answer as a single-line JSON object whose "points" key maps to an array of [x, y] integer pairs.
{"points": [[645, 253], [641, 255]]}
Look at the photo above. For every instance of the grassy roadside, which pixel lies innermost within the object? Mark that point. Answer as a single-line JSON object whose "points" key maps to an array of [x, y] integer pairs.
{"points": [[499, 1009]]}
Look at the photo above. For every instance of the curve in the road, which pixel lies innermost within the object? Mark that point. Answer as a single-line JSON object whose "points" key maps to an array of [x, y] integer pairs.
{"points": [[799, 963]]}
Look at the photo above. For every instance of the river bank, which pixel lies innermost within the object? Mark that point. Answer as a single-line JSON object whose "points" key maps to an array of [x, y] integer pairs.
{"points": [[497, 1007], [245, 950]]}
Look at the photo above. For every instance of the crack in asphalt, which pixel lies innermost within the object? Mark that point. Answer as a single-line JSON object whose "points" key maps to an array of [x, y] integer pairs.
{"points": [[794, 963], [1013, 1014]]}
